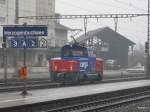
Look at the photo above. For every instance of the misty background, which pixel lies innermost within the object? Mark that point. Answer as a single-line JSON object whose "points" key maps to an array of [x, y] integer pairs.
{"points": [[134, 29]]}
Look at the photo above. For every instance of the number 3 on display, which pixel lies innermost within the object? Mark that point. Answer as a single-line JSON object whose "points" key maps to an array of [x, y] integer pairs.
{"points": [[14, 43]]}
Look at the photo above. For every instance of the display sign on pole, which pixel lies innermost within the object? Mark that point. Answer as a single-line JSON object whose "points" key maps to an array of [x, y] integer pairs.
{"points": [[24, 36], [24, 43], [20, 30]]}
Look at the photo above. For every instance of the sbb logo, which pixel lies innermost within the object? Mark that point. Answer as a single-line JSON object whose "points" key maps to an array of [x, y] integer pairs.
{"points": [[84, 65]]}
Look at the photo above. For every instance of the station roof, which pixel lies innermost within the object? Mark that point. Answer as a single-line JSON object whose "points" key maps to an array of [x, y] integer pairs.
{"points": [[107, 35], [61, 27]]}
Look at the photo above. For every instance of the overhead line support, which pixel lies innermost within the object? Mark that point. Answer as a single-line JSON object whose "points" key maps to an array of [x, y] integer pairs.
{"points": [[84, 16]]}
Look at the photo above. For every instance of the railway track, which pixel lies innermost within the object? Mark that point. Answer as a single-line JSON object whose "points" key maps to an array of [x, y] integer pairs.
{"points": [[46, 83], [101, 105], [89, 103]]}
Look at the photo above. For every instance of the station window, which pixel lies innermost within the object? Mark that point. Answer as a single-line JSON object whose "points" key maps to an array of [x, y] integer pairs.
{"points": [[1, 39], [2, 1], [2, 19]]}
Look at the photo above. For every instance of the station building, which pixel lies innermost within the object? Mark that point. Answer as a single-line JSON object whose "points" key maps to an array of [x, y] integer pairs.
{"points": [[108, 45]]}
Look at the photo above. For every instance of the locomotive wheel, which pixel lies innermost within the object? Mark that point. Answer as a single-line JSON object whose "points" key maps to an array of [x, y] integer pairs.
{"points": [[53, 76], [99, 76], [77, 78]]}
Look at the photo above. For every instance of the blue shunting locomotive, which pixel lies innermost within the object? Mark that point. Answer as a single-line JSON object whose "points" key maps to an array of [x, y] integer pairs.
{"points": [[77, 63]]}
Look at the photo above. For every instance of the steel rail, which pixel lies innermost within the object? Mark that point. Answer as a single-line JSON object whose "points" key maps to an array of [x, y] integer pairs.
{"points": [[103, 104], [87, 103]]}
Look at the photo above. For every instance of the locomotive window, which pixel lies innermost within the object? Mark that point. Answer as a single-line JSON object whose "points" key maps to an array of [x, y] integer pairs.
{"points": [[74, 53], [67, 53], [77, 53]]}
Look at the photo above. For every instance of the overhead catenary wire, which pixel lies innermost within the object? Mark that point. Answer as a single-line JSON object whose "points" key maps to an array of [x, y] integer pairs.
{"points": [[114, 6], [96, 3], [91, 21], [89, 17], [122, 27], [78, 7], [41, 18], [131, 5], [86, 16]]}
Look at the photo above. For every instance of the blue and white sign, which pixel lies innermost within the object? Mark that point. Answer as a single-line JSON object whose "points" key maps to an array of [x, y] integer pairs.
{"points": [[32, 43], [20, 30], [42, 43], [14, 43], [25, 31], [24, 42]]}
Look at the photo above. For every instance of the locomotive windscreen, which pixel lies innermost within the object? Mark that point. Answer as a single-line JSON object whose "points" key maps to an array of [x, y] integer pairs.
{"points": [[74, 51]]}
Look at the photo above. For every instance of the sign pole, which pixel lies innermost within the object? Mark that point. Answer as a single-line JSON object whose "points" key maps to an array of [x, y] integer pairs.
{"points": [[5, 63], [24, 92], [4, 45], [5, 60]]}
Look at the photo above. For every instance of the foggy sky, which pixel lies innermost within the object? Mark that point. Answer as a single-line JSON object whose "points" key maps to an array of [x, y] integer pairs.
{"points": [[133, 28]]}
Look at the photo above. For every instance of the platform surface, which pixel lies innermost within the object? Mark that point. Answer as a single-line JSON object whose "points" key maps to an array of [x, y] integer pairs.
{"points": [[35, 96]]}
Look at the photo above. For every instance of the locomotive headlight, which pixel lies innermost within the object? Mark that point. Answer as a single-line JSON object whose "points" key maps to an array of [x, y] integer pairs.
{"points": [[71, 68], [55, 68]]}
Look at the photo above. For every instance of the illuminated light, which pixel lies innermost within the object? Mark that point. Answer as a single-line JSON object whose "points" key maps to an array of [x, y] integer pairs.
{"points": [[55, 68], [71, 68]]}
